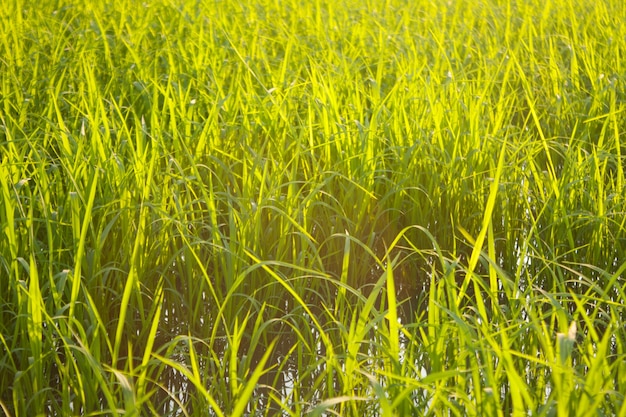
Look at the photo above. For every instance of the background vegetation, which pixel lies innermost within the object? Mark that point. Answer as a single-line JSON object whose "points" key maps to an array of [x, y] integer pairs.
{"points": [[323, 207]]}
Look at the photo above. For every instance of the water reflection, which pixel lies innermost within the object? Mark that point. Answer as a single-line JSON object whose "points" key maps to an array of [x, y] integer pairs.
{"points": [[299, 374]]}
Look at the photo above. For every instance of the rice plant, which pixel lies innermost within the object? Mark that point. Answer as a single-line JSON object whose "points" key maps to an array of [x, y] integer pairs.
{"points": [[284, 208]]}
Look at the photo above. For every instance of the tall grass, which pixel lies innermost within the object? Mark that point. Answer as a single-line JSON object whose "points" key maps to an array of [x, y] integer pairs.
{"points": [[327, 208]]}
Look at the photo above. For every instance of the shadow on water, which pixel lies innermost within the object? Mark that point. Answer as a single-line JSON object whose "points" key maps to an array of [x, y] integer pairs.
{"points": [[283, 372]]}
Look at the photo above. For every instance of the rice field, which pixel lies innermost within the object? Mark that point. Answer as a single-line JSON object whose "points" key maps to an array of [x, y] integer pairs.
{"points": [[285, 208]]}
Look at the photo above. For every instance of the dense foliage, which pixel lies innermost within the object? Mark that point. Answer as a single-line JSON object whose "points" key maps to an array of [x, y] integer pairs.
{"points": [[359, 208]]}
